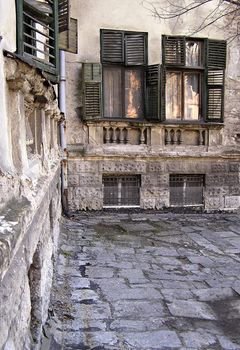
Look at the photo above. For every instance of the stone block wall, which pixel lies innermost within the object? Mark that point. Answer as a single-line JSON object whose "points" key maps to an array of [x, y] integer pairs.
{"points": [[221, 190]]}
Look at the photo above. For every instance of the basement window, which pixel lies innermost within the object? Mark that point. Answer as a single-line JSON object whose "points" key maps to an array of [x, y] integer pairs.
{"points": [[186, 190], [121, 191]]}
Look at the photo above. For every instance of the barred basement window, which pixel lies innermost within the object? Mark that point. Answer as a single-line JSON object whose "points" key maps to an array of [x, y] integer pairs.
{"points": [[121, 191], [186, 190]]}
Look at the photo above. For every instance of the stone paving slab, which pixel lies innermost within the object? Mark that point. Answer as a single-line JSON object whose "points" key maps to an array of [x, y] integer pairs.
{"points": [[145, 281]]}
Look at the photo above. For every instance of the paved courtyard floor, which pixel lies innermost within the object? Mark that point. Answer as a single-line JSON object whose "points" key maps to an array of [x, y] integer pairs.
{"points": [[147, 281]]}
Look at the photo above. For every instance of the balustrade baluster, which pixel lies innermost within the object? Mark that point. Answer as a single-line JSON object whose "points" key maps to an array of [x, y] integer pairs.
{"points": [[121, 136], [114, 135], [167, 137], [107, 135]]}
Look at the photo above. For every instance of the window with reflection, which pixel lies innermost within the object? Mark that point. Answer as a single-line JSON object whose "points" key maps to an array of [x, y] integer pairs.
{"points": [[124, 61], [123, 92], [184, 84]]}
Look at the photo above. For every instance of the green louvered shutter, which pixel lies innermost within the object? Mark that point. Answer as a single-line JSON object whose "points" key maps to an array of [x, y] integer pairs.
{"points": [[216, 63], [135, 49], [216, 51], [63, 15], [173, 51], [68, 39], [112, 46], [153, 92], [92, 90], [163, 94]]}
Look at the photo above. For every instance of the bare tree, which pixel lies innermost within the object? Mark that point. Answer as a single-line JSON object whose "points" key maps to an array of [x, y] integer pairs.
{"points": [[217, 12]]}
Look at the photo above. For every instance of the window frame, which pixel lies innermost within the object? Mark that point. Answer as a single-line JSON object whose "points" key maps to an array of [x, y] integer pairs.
{"points": [[183, 68], [51, 69], [213, 56], [183, 102], [123, 88], [124, 67]]}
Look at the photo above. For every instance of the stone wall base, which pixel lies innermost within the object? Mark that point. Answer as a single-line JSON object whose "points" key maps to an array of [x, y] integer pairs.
{"points": [[221, 177]]}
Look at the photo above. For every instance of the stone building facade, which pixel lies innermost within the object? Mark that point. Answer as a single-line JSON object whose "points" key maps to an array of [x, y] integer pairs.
{"points": [[30, 186], [156, 157]]}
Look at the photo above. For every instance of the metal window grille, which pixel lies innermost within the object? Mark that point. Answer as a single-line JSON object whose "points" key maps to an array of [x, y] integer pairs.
{"points": [[121, 191], [186, 190]]}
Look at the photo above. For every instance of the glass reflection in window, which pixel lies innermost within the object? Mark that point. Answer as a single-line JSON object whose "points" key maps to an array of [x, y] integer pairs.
{"points": [[194, 53], [174, 96], [191, 96]]}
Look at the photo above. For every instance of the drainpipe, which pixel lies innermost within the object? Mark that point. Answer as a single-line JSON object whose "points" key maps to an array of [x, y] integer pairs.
{"points": [[62, 107]]}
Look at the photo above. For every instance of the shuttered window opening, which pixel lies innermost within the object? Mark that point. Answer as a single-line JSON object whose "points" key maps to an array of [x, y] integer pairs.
{"points": [[121, 191], [124, 56], [192, 79], [186, 190], [37, 33]]}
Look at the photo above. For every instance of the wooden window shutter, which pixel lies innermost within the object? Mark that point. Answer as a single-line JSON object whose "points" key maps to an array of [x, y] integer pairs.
{"points": [[135, 49], [112, 46], [173, 50], [216, 53], [163, 94], [63, 15], [68, 39], [153, 92], [216, 63], [215, 95], [92, 90]]}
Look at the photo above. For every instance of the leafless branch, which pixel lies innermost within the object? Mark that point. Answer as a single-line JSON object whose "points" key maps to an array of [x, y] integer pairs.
{"points": [[228, 9]]}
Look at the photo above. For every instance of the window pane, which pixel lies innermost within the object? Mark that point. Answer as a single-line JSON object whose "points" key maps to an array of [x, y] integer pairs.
{"points": [[194, 53], [191, 96], [112, 82], [173, 96], [133, 93]]}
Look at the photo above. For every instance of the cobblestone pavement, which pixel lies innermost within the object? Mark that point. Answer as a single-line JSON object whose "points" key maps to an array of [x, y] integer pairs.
{"points": [[148, 281]]}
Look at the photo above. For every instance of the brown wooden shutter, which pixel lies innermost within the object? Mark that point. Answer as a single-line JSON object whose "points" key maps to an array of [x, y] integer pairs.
{"points": [[63, 15], [173, 50], [215, 95], [92, 90], [135, 49], [163, 94], [153, 92], [216, 63], [216, 54], [112, 46], [68, 40]]}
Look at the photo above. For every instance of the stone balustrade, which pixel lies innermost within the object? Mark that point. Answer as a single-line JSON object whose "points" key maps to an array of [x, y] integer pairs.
{"points": [[185, 136], [125, 135]]}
